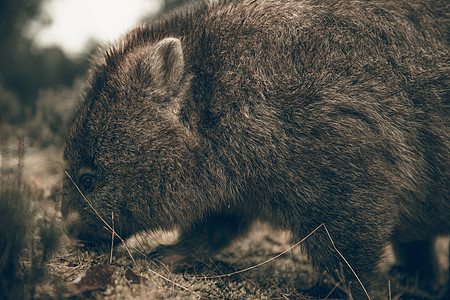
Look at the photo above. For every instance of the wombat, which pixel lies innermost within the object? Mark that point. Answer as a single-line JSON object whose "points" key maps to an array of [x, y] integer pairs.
{"points": [[296, 113]]}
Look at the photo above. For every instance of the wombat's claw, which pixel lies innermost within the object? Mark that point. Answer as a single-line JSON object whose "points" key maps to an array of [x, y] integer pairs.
{"points": [[154, 255]]}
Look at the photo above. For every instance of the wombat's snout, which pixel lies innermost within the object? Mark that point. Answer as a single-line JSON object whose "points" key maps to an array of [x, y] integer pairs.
{"points": [[66, 213], [85, 230], [81, 222], [79, 218], [71, 219]]}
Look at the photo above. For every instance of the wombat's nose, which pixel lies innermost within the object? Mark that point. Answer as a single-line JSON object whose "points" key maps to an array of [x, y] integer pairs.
{"points": [[68, 211], [71, 222]]}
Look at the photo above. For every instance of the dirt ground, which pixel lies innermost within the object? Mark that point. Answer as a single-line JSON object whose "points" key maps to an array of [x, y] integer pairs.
{"points": [[126, 272]]}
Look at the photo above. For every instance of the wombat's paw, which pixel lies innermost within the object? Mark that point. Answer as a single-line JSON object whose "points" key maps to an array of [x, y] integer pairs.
{"points": [[175, 257], [403, 275], [414, 283], [169, 255]]}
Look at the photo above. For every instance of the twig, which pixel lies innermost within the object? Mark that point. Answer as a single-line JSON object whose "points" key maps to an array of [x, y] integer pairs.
{"points": [[112, 237], [389, 290], [332, 290], [346, 262], [270, 259]]}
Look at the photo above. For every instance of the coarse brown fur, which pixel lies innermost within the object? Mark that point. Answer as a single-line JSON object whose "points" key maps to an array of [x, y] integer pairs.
{"points": [[293, 112]]}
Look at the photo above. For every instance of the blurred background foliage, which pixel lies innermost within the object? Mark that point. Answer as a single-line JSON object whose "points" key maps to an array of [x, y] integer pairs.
{"points": [[40, 88], [25, 70]]}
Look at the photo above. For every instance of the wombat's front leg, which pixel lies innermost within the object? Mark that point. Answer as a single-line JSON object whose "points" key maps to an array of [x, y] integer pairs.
{"points": [[352, 253], [202, 240], [417, 263]]}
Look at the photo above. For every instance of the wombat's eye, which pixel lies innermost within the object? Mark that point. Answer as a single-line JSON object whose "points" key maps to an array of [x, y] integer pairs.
{"points": [[88, 182]]}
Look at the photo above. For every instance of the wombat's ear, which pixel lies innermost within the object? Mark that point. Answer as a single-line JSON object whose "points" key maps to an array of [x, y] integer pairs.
{"points": [[166, 63]]}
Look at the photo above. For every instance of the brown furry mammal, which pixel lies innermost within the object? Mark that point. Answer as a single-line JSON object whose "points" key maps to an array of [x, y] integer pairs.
{"points": [[294, 112]]}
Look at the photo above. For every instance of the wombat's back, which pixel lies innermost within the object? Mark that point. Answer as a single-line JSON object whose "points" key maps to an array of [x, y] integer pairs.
{"points": [[299, 87]]}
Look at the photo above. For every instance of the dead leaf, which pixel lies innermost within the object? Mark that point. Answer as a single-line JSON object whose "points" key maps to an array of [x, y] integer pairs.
{"points": [[92, 279]]}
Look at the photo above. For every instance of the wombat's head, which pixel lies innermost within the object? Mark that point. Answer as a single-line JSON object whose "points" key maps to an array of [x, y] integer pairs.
{"points": [[127, 143]]}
